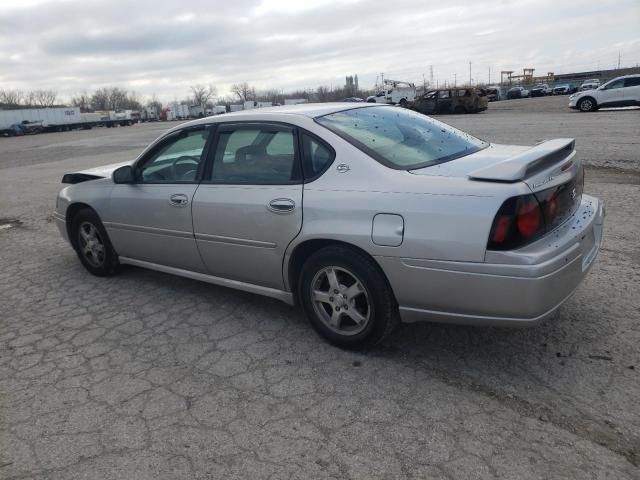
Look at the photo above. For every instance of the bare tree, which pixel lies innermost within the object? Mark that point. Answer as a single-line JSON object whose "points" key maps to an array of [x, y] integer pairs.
{"points": [[10, 97], [202, 94], [29, 98], [82, 100], [45, 98], [323, 93], [117, 97], [100, 99], [243, 91]]}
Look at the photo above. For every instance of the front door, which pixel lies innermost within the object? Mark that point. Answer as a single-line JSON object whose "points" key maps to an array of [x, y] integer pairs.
{"points": [[249, 206], [150, 220], [612, 94]]}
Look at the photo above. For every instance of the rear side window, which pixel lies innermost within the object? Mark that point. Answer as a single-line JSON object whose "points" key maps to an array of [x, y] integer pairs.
{"points": [[316, 157], [260, 155], [632, 82], [400, 138]]}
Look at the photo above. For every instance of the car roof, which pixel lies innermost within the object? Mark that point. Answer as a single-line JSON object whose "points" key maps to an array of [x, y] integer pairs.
{"points": [[310, 110]]}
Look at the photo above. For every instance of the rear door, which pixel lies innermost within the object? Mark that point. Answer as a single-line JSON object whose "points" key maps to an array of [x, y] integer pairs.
{"points": [[150, 220], [249, 206], [632, 91]]}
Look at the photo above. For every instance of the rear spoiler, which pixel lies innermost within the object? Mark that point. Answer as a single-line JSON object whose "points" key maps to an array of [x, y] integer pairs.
{"points": [[527, 163]]}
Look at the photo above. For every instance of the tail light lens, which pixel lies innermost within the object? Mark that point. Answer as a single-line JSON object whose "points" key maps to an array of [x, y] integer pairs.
{"points": [[519, 221], [524, 219]]}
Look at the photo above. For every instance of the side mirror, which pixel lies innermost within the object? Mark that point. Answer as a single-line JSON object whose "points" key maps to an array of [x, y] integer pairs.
{"points": [[124, 175]]}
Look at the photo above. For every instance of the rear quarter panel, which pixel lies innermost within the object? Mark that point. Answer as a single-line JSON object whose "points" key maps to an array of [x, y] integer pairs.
{"points": [[445, 218]]}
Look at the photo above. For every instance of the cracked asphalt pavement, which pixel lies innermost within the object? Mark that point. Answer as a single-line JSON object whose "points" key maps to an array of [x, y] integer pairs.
{"points": [[149, 376]]}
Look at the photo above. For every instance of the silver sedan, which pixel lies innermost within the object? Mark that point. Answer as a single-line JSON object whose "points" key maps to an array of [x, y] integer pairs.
{"points": [[365, 215]]}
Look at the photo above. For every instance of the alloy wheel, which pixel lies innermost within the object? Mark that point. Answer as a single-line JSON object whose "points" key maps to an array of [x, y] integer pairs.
{"points": [[340, 300], [91, 244]]}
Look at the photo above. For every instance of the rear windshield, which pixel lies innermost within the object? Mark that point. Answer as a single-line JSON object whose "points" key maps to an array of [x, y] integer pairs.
{"points": [[400, 138]]}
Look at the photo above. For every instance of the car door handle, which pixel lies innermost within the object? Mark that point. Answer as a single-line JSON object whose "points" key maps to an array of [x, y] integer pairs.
{"points": [[178, 200], [281, 205]]}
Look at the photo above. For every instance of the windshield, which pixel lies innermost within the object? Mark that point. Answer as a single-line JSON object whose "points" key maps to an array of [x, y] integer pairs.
{"points": [[400, 138]]}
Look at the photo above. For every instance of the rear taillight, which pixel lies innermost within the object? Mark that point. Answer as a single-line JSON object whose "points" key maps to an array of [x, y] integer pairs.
{"points": [[519, 221]]}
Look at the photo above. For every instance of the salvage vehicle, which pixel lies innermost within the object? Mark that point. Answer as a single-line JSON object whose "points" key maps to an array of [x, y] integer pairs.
{"points": [[620, 92], [394, 92], [450, 100], [494, 94], [541, 90], [517, 92], [564, 89], [590, 84], [365, 215]]}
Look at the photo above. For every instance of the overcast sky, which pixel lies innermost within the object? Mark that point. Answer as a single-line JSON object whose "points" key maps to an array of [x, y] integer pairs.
{"points": [[156, 47]]}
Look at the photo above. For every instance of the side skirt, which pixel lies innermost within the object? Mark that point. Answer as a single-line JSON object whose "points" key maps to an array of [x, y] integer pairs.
{"points": [[286, 297]]}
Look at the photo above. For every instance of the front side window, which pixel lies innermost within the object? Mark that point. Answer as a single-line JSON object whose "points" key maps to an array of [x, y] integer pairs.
{"points": [[615, 84], [400, 138], [255, 155], [177, 160], [443, 94]]}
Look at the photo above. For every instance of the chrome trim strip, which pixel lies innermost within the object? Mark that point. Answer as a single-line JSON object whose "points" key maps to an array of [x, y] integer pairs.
{"points": [[150, 230], [286, 297], [234, 241]]}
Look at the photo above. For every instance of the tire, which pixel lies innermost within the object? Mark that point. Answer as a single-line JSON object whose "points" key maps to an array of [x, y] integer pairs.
{"points": [[92, 244], [587, 104], [403, 102], [368, 312]]}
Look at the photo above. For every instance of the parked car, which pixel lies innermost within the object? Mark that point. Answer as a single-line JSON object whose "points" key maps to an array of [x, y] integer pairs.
{"points": [[450, 100], [620, 92], [353, 99], [517, 92], [494, 93], [565, 89], [403, 218], [541, 90], [590, 84]]}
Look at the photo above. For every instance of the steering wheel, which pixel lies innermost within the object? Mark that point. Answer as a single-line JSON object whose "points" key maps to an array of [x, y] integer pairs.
{"points": [[184, 160]]}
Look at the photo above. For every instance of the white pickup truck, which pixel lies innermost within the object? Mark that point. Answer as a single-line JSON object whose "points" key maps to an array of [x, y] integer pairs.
{"points": [[394, 91]]}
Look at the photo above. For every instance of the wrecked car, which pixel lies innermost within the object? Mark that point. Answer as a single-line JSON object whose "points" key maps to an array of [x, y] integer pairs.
{"points": [[450, 100]]}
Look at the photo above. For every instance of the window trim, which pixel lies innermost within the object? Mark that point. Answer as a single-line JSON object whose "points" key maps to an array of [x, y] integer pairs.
{"points": [[162, 142], [207, 176], [380, 159]]}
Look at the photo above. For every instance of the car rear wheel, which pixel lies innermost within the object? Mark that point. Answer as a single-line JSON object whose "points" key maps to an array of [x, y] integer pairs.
{"points": [[587, 105], [403, 102], [92, 244], [347, 298]]}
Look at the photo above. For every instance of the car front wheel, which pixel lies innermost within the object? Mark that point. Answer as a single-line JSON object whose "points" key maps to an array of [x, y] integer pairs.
{"points": [[92, 244], [347, 298], [587, 105]]}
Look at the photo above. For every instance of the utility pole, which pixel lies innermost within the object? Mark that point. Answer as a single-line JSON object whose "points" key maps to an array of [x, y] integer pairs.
{"points": [[431, 74], [618, 60], [424, 83], [455, 80], [489, 75], [469, 73]]}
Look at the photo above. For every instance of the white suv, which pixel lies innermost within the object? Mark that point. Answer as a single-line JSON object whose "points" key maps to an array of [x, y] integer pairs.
{"points": [[620, 92]]}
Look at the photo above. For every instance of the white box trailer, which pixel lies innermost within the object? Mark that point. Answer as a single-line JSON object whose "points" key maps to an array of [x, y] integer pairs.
{"points": [[236, 108], [196, 111], [218, 109], [180, 111], [51, 118]]}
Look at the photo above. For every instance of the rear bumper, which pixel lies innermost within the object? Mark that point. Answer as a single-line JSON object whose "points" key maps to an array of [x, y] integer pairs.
{"points": [[520, 288]]}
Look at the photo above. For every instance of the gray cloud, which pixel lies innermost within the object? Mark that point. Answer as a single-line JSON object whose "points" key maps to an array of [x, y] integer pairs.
{"points": [[163, 47]]}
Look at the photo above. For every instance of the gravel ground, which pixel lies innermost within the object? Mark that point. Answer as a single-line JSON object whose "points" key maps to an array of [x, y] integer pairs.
{"points": [[145, 375]]}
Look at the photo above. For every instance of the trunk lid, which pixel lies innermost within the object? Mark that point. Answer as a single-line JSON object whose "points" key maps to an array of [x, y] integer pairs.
{"points": [[550, 169]]}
